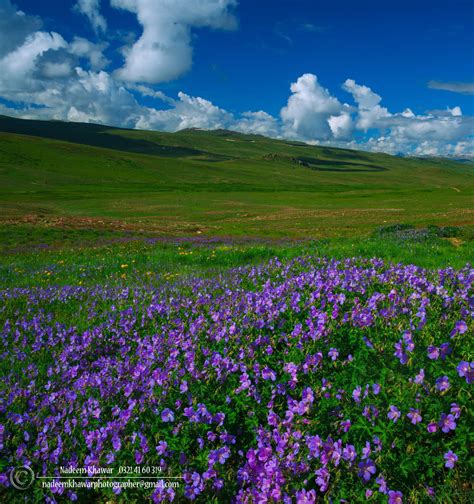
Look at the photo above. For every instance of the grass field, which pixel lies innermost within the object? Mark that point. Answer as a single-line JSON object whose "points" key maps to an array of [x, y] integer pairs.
{"points": [[84, 197], [84, 258], [217, 184]]}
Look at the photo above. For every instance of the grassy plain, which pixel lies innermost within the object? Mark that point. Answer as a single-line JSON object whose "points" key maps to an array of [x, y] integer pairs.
{"points": [[71, 176], [79, 201]]}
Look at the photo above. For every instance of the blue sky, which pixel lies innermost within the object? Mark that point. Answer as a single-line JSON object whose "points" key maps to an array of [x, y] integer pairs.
{"points": [[410, 66]]}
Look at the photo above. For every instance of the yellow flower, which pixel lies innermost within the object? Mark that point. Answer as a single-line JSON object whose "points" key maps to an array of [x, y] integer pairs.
{"points": [[124, 266]]}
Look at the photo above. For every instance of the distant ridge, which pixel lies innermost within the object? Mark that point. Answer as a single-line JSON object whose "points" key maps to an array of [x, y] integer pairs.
{"points": [[92, 134], [151, 142]]}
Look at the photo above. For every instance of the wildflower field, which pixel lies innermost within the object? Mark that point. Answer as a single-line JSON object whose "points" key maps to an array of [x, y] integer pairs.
{"points": [[306, 376]]}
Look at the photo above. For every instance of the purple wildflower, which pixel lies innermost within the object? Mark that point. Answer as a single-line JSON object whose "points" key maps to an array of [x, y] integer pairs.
{"points": [[393, 413], [306, 496], [167, 415], [400, 353], [447, 423], [444, 350], [346, 425], [455, 410], [395, 497], [442, 383], [432, 427], [466, 370], [268, 374], [349, 453], [138, 457], [366, 469], [419, 378], [382, 484], [459, 328], [161, 447], [433, 352], [414, 416], [333, 353], [356, 394], [451, 459]]}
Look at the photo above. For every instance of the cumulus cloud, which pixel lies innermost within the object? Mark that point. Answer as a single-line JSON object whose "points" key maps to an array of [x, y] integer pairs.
{"points": [[370, 112], [441, 128], [94, 53], [341, 125], [464, 148], [164, 52], [96, 97], [18, 65], [455, 111], [186, 112], [454, 87], [52, 70], [91, 9], [258, 123], [309, 109]]}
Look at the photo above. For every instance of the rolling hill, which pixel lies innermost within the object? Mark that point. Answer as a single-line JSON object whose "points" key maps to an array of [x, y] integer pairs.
{"points": [[217, 183]]}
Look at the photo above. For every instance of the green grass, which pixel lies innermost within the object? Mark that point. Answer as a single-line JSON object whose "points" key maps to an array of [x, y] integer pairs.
{"points": [[137, 262], [69, 176]]}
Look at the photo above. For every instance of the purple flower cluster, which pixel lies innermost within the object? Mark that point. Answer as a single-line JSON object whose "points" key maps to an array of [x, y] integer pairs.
{"points": [[271, 383]]}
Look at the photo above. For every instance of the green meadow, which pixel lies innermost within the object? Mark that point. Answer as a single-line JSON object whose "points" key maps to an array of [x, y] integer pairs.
{"points": [[217, 183], [80, 201]]}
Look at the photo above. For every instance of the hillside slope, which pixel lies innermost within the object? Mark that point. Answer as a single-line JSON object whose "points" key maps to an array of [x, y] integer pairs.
{"points": [[219, 182]]}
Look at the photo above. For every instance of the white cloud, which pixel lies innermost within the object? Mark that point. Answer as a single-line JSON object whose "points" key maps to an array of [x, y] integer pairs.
{"points": [[456, 111], [150, 92], [308, 110], [442, 128], [163, 52], [259, 123], [370, 112], [18, 65], [464, 149], [91, 9], [454, 87], [186, 112], [53, 70], [94, 53], [363, 95], [427, 148], [96, 97], [341, 125]]}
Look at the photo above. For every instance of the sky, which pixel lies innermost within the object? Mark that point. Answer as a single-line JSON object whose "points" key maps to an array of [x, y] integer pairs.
{"points": [[395, 77]]}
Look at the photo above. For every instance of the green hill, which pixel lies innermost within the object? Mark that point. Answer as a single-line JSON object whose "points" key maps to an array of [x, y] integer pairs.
{"points": [[218, 182]]}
